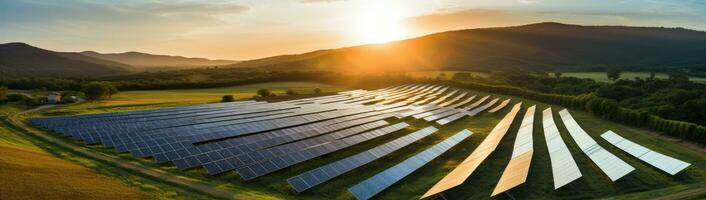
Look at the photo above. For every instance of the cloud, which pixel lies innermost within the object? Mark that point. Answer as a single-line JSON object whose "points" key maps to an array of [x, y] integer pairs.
{"points": [[320, 1], [478, 18], [464, 19], [195, 8], [527, 1]]}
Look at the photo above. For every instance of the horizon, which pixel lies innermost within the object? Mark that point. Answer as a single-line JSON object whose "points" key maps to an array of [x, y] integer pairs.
{"points": [[241, 30]]}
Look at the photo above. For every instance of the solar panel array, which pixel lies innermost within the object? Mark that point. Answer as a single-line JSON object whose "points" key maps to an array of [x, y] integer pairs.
{"points": [[220, 136], [327, 172], [564, 169], [469, 165], [517, 169], [658, 160], [256, 138], [611, 165], [376, 184]]}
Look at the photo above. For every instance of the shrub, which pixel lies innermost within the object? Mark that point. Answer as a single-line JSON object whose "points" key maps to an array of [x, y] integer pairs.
{"points": [[291, 92], [262, 92], [317, 91], [227, 98], [15, 97], [3, 93], [99, 89]]}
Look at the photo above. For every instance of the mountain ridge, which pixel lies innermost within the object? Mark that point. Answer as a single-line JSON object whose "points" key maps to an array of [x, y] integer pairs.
{"points": [[23, 60], [539, 46], [139, 59]]}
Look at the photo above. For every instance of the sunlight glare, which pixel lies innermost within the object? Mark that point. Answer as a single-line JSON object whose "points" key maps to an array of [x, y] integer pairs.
{"points": [[379, 23]]}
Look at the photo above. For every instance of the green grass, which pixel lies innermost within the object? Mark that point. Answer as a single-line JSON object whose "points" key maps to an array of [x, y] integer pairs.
{"points": [[28, 171], [150, 99], [601, 76], [594, 184]]}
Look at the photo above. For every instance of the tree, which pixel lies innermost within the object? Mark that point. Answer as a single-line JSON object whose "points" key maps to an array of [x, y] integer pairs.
{"points": [[291, 92], [3, 93], [112, 90], [262, 92], [227, 98], [557, 75], [99, 89], [652, 75], [317, 90], [613, 74], [441, 76]]}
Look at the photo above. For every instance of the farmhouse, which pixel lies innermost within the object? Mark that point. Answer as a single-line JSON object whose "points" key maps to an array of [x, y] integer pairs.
{"points": [[54, 98]]}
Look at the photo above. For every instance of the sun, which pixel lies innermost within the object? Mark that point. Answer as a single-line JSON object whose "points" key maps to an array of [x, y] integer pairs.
{"points": [[378, 23]]}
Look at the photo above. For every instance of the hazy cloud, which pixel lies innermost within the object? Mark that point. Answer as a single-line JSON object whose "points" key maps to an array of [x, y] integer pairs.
{"points": [[195, 8], [320, 1]]}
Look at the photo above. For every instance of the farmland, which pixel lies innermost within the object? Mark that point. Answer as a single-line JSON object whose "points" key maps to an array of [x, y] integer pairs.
{"points": [[539, 185]]}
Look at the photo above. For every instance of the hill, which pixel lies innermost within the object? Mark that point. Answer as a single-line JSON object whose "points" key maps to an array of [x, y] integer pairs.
{"points": [[542, 46], [23, 60], [144, 60]]}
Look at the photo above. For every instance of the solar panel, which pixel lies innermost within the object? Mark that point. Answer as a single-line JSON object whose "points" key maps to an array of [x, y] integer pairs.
{"points": [[477, 110], [610, 164], [517, 169], [327, 172], [469, 165], [658, 160], [436, 116], [376, 184], [449, 102], [475, 104], [439, 100], [265, 167], [499, 107], [272, 152], [564, 169]]}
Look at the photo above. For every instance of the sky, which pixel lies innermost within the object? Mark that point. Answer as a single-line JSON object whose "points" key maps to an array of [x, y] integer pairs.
{"points": [[250, 29]]}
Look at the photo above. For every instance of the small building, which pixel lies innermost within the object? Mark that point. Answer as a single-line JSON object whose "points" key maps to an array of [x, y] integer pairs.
{"points": [[54, 98]]}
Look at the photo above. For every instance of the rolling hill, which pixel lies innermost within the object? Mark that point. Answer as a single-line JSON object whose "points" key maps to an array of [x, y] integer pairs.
{"points": [[542, 46], [23, 60], [147, 61]]}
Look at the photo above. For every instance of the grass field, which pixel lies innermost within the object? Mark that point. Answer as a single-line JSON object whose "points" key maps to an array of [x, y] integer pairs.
{"points": [[29, 172], [133, 100], [646, 181], [601, 76]]}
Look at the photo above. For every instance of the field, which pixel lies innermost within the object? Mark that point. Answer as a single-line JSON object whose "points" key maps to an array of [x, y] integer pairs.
{"points": [[28, 171], [131, 100], [646, 181], [601, 76]]}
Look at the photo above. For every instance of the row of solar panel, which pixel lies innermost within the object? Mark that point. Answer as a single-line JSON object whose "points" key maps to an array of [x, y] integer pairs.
{"points": [[327, 172], [376, 184], [610, 164], [265, 167]]}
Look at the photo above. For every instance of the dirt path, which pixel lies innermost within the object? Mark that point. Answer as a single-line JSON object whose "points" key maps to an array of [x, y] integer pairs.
{"points": [[160, 175]]}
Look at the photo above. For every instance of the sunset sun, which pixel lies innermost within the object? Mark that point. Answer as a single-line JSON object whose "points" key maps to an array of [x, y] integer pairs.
{"points": [[379, 23]]}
